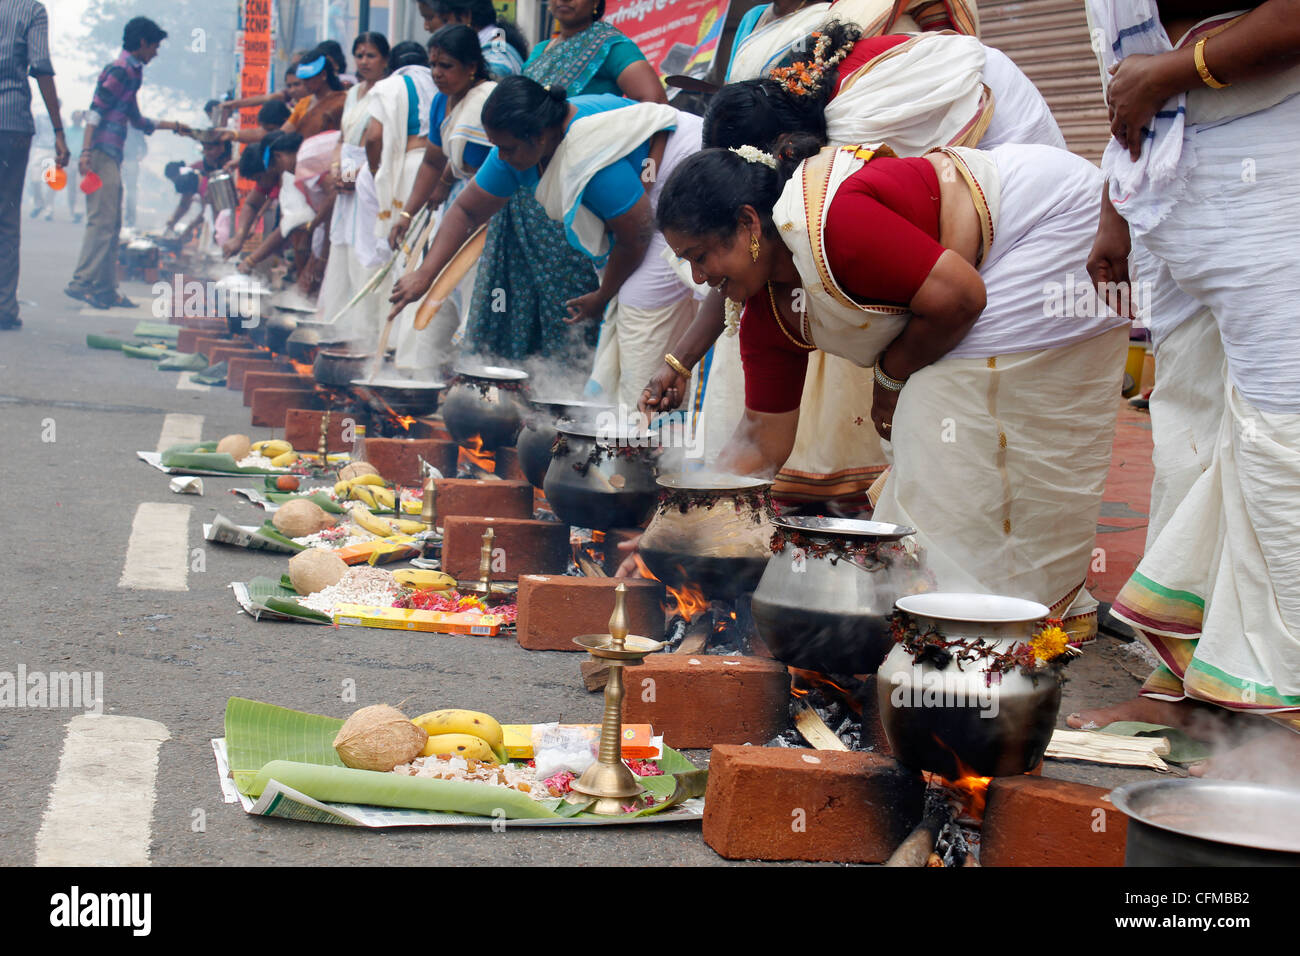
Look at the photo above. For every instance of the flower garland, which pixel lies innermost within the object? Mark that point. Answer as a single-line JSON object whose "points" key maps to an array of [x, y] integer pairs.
{"points": [[752, 154], [1048, 649], [731, 310], [806, 78]]}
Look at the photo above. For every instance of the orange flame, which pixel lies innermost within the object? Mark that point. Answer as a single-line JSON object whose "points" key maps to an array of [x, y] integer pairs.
{"points": [[597, 537], [972, 788], [302, 368], [689, 600], [473, 453]]}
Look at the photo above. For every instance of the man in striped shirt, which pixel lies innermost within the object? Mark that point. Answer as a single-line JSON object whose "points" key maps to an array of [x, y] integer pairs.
{"points": [[111, 112], [24, 52]]}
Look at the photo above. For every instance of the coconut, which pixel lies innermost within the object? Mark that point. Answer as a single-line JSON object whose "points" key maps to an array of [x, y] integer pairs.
{"points": [[356, 469], [315, 569], [236, 446], [379, 738], [300, 517]]}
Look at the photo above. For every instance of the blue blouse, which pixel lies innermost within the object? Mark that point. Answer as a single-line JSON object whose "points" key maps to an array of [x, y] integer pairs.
{"points": [[612, 191], [475, 153]]}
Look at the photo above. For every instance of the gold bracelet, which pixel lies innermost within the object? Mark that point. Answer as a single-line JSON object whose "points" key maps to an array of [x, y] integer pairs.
{"points": [[676, 366], [1208, 78], [405, 213]]}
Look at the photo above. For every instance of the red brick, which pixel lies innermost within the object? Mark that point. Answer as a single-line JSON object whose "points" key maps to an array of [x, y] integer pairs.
{"points": [[435, 428], [218, 326], [224, 353], [873, 731], [556, 608], [488, 498], [529, 547], [613, 556], [777, 803], [302, 430], [204, 344], [255, 380], [271, 405], [699, 700], [1039, 821], [187, 339], [241, 365], [398, 459]]}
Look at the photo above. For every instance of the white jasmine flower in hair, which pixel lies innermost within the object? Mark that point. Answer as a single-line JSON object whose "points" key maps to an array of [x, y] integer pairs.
{"points": [[731, 316], [752, 154]]}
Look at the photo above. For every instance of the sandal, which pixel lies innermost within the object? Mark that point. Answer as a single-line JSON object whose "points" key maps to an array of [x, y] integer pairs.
{"points": [[117, 300], [87, 297]]}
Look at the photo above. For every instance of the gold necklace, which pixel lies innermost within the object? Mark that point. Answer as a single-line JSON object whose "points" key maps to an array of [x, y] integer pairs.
{"points": [[776, 314]]}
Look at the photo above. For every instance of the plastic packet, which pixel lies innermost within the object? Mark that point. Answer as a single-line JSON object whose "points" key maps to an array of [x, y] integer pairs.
{"points": [[559, 747]]}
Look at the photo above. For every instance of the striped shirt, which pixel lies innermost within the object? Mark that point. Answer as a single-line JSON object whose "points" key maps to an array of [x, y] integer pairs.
{"points": [[24, 52], [114, 105]]}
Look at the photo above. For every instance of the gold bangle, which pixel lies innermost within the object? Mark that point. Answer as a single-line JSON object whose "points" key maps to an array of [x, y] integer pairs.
{"points": [[1208, 78], [405, 213], [676, 366]]}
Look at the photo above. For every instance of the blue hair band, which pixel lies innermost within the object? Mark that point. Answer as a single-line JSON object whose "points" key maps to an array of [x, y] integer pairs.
{"points": [[306, 71], [266, 157]]}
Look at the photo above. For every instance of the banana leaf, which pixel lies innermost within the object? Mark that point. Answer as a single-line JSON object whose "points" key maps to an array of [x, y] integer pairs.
{"points": [[201, 456], [323, 500], [279, 597], [153, 353], [183, 363], [212, 375], [267, 742], [106, 342], [157, 330], [269, 530]]}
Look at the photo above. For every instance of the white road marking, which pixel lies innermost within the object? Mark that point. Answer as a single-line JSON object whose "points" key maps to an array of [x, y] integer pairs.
{"points": [[178, 428], [157, 556], [101, 806], [185, 384]]}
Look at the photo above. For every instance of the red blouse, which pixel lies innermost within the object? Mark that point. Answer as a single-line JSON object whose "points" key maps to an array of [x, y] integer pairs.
{"points": [[882, 232], [863, 52]]}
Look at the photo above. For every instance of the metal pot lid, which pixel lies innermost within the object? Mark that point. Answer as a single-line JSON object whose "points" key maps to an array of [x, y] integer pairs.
{"points": [[606, 436], [1257, 815], [398, 385], [973, 608], [498, 373], [561, 405], [846, 527], [713, 481], [340, 350], [304, 336]]}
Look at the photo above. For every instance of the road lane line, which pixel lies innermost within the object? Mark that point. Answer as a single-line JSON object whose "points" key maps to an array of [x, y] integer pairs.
{"points": [[157, 556], [179, 427], [101, 805]]}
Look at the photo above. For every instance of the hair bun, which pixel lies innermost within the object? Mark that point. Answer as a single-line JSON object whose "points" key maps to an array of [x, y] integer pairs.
{"points": [[557, 92]]}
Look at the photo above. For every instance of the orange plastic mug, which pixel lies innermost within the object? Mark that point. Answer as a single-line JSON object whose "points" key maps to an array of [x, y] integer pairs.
{"points": [[56, 178], [90, 182]]}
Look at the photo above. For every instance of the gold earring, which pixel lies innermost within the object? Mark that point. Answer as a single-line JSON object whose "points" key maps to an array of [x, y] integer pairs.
{"points": [[753, 247]]}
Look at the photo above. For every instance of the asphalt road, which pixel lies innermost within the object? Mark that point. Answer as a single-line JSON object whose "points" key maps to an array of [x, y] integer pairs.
{"points": [[71, 421]]}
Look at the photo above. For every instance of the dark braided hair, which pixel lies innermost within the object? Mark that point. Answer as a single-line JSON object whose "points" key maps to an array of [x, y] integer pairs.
{"points": [[704, 195], [407, 53], [523, 107], [758, 112]]}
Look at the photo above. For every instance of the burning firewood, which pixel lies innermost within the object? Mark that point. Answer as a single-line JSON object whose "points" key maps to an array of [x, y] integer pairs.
{"points": [[813, 728], [916, 849]]}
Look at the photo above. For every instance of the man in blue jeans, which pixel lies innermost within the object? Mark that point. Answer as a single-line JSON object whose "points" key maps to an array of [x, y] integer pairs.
{"points": [[112, 111], [24, 52]]}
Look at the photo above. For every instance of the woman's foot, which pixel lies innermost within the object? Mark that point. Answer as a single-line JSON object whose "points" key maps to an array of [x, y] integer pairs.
{"points": [[1272, 755], [1199, 720]]}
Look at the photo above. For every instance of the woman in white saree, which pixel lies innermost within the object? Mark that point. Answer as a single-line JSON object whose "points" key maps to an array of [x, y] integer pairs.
{"points": [[1202, 170], [931, 272], [457, 146], [394, 143], [352, 246]]}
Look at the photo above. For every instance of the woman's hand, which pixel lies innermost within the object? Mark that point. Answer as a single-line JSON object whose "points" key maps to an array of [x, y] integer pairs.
{"points": [[628, 568], [398, 232], [406, 290], [586, 308], [883, 403], [1108, 260], [245, 265], [83, 163], [441, 190], [663, 393], [1139, 86]]}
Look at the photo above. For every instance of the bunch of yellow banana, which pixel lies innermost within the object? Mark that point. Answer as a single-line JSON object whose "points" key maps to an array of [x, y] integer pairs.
{"points": [[271, 448], [370, 490], [384, 527], [423, 580], [463, 733]]}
